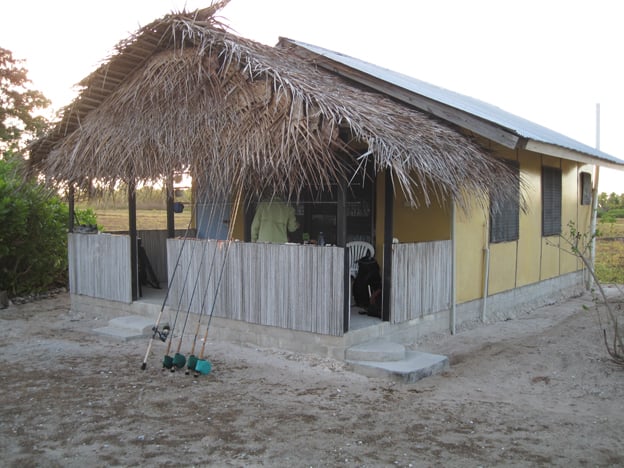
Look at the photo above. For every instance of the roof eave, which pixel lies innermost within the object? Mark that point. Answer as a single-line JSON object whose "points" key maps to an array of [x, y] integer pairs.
{"points": [[569, 154], [506, 137]]}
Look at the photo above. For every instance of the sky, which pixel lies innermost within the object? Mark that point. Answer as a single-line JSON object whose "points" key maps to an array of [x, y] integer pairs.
{"points": [[554, 62]]}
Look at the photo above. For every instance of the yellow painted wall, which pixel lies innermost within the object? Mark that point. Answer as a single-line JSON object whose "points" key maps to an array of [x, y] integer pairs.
{"points": [[530, 242], [503, 255], [549, 267], [584, 211], [410, 224], [503, 267], [570, 201], [532, 258], [421, 223], [550, 245], [511, 264], [470, 241]]}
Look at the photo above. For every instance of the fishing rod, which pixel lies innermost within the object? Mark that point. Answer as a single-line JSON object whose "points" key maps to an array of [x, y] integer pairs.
{"points": [[203, 366], [164, 333], [168, 361], [178, 359], [192, 360]]}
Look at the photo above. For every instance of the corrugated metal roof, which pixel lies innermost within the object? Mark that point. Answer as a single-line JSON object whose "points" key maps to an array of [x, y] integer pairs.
{"points": [[488, 112]]}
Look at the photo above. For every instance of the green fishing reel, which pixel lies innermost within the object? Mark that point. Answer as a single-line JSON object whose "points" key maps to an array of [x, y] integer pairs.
{"points": [[191, 363], [202, 367], [167, 362], [179, 361]]}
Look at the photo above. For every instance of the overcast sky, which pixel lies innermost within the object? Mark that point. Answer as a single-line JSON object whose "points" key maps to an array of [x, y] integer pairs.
{"points": [[550, 61]]}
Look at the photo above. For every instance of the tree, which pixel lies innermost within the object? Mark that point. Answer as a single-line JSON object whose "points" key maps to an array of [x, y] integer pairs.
{"points": [[33, 219], [602, 202], [18, 105], [613, 201]]}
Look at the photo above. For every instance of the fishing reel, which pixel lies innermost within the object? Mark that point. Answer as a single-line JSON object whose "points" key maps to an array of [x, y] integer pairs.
{"points": [[161, 334]]}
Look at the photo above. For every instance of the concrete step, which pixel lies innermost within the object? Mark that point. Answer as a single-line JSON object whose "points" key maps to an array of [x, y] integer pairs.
{"points": [[129, 327], [379, 350], [415, 366], [385, 359]]}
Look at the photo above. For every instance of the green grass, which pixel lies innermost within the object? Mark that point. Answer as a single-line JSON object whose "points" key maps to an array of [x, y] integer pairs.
{"points": [[610, 261], [610, 252], [114, 220], [615, 229]]}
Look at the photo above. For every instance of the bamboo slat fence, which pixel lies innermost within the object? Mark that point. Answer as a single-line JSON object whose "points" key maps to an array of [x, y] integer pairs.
{"points": [[289, 286], [421, 279], [99, 266]]}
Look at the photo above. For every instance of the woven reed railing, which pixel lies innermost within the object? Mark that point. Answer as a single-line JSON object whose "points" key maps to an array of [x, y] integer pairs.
{"points": [[421, 279], [99, 266], [297, 287]]}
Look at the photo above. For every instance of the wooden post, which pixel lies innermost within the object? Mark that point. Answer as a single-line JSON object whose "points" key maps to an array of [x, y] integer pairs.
{"points": [[132, 231], [341, 240], [387, 246], [72, 208], [170, 217]]}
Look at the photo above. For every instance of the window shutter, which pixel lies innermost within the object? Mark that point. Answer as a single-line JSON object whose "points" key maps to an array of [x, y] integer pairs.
{"points": [[551, 201], [505, 224]]}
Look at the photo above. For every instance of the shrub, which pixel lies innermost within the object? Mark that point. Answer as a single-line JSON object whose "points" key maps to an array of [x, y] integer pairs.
{"points": [[33, 233], [615, 213]]}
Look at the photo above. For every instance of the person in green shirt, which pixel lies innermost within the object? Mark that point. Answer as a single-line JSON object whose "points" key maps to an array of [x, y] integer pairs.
{"points": [[272, 222]]}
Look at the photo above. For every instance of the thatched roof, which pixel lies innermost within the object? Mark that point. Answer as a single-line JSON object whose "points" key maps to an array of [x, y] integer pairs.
{"points": [[183, 93]]}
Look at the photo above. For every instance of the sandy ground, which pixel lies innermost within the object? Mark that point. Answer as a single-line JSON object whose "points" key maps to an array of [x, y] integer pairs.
{"points": [[535, 391]]}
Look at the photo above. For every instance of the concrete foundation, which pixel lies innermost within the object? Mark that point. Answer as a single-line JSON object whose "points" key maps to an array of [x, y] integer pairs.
{"points": [[499, 307]]}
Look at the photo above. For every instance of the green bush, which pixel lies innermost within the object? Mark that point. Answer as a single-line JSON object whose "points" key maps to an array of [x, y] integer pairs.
{"points": [[87, 217], [613, 213], [33, 233]]}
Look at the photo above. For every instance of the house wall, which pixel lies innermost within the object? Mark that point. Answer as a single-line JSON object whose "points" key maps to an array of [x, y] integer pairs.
{"points": [[470, 241], [532, 258], [527, 261], [530, 242], [418, 223]]}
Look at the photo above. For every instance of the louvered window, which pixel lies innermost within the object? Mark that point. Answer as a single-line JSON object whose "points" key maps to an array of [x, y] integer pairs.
{"points": [[505, 223], [551, 201]]}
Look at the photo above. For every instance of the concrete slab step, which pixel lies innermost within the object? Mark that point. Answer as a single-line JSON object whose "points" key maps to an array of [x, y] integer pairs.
{"points": [[416, 366], [129, 327], [378, 350]]}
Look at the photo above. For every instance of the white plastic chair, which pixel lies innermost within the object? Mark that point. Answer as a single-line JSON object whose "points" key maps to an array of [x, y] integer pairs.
{"points": [[357, 250]]}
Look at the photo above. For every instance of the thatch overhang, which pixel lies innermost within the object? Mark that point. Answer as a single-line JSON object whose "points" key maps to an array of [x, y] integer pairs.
{"points": [[183, 93]]}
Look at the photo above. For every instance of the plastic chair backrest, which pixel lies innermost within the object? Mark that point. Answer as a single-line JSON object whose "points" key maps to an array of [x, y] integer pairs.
{"points": [[357, 250]]}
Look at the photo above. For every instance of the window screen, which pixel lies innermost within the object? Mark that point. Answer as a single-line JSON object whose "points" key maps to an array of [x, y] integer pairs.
{"points": [[551, 201], [505, 223]]}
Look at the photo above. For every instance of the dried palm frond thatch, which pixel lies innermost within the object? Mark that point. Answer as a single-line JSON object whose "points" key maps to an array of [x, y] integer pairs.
{"points": [[183, 93]]}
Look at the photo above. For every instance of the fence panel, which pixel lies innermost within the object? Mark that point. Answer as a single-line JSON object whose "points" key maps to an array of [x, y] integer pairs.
{"points": [[289, 286], [99, 266], [421, 279]]}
